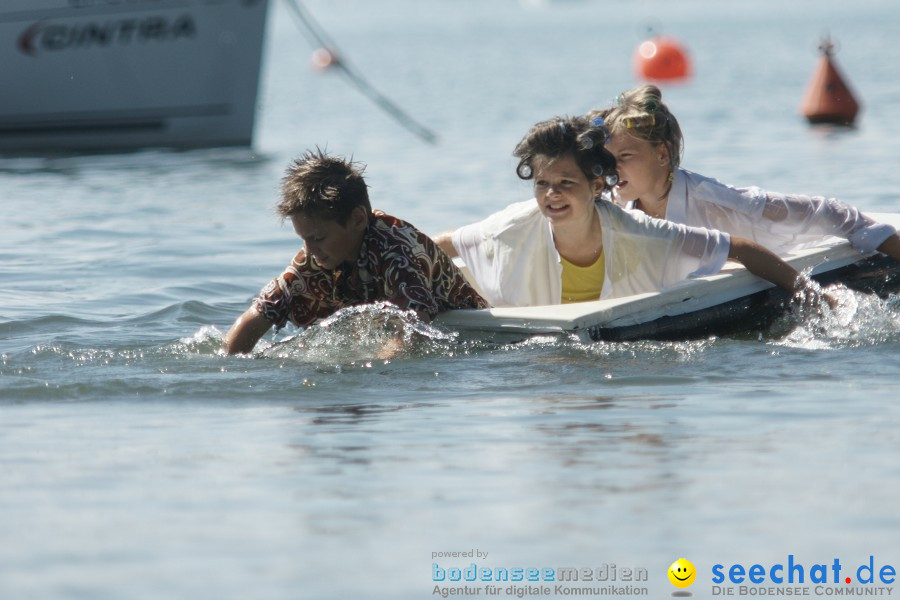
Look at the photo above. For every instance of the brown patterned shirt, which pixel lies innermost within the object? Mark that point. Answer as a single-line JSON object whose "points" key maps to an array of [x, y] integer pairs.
{"points": [[396, 263]]}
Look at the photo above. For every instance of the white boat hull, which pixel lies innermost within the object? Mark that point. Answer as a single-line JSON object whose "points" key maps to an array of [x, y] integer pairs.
{"points": [[111, 75]]}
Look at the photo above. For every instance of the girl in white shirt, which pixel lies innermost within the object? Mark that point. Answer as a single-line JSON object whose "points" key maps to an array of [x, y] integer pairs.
{"points": [[568, 244], [646, 140]]}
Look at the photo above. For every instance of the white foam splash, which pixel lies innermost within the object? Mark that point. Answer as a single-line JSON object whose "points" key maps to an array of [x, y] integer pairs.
{"points": [[206, 340], [857, 320], [366, 333]]}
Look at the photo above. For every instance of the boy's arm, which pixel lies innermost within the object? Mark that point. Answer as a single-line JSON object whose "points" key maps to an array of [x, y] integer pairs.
{"points": [[246, 331]]}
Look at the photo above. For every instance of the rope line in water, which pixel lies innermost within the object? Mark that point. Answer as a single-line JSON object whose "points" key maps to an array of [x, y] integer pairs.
{"points": [[321, 37]]}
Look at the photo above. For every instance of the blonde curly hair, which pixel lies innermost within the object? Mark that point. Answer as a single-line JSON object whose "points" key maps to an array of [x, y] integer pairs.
{"points": [[641, 112]]}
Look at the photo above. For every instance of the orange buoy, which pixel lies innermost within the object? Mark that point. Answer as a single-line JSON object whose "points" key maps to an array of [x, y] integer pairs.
{"points": [[828, 98], [323, 59], [661, 58]]}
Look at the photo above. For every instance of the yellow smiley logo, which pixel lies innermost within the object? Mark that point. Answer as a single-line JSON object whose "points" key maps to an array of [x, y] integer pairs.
{"points": [[682, 573]]}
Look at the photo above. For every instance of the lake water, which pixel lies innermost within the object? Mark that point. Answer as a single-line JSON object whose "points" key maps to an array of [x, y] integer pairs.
{"points": [[136, 461]]}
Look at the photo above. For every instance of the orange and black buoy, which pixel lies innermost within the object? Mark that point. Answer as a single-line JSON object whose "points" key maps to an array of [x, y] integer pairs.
{"points": [[828, 98], [661, 58]]}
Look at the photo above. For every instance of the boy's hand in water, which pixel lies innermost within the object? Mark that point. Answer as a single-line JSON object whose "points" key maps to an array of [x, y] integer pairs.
{"points": [[811, 296], [396, 345], [390, 349]]}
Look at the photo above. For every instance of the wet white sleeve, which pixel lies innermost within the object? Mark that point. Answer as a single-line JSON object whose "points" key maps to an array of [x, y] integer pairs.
{"points": [[477, 252], [782, 222], [819, 216], [646, 255], [510, 257]]}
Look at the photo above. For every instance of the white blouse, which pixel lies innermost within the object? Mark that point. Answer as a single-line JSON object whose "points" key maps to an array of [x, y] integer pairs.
{"points": [[513, 260], [780, 222]]}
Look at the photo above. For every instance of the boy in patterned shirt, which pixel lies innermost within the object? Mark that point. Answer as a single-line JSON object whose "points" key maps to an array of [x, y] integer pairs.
{"points": [[351, 255]]}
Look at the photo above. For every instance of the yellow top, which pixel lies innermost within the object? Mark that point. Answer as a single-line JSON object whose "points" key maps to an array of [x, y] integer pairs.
{"points": [[582, 284]]}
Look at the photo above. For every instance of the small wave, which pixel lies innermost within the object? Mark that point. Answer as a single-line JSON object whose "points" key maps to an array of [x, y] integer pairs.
{"points": [[190, 311], [206, 340], [637, 349], [50, 324], [671, 351], [43, 324]]}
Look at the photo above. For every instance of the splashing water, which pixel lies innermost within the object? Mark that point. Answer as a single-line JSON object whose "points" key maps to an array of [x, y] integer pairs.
{"points": [[207, 340], [360, 334], [381, 333], [857, 320]]}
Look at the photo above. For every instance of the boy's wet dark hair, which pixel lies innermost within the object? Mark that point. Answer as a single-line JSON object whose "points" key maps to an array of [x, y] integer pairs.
{"points": [[323, 186], [561, 136]]}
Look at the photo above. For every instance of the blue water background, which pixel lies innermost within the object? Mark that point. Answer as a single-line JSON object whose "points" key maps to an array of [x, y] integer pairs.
{"points": [[138, 462]]}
